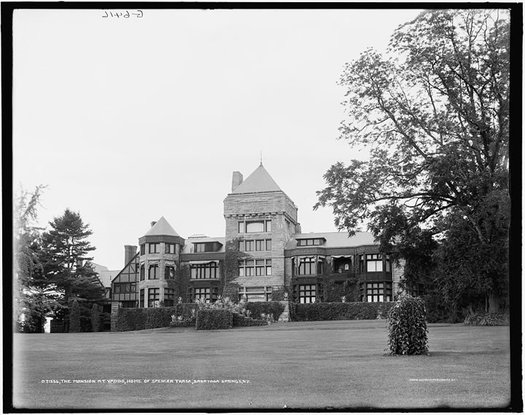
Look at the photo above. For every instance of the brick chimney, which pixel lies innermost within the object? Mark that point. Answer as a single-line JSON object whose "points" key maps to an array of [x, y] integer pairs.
{"points": [[236, 180], [129, 253]]}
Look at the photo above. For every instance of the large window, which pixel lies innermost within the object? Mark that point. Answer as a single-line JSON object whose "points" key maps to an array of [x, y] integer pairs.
{"points": [[256, 226], [252, 227], [310, 242], [142, 272], [169, 272], [128, 304], [153, 297], [169, 248], [169, 297], [204, 271], [153, 273], [256, 294], [141, 304], [154, 248], [309, 266], [250, 267], [203, 294], [142, 249], [377, 292], [307, 293], [255, 245], [374, 263], [124, 287]]}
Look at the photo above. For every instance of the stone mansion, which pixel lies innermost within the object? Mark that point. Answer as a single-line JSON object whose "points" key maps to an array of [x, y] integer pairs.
{"points": [[263, 256]]}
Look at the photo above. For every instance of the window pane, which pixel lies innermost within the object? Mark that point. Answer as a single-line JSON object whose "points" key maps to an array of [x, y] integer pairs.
{"points": [[241, 227], [268, 244], [268, 226], [254, 227]]}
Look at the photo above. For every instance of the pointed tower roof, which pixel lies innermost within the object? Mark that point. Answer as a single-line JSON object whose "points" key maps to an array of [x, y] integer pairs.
{"points": [[162, 227], [259, 181]]}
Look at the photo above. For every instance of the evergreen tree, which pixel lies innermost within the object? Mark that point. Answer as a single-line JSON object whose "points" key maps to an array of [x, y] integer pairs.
{"points": [[95, 318], [66, 262], [74, 317]]}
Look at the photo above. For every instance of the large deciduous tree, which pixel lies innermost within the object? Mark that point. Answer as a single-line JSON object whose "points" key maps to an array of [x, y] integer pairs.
{"points": [[434, 113], [34, 298]]}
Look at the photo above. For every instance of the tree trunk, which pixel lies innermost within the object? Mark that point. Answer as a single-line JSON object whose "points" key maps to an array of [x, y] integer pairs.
{"points": [[494, 303]]}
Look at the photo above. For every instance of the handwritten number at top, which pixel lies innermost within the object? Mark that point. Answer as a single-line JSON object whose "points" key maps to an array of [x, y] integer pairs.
{"points": [[124, 14]]}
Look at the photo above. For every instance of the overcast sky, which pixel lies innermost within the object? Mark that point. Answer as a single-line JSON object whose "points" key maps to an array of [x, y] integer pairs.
{"points": [[128, 120]]}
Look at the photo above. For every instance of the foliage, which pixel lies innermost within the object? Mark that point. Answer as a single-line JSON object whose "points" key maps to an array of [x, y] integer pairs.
{"points": [[33, 300], [438, 311], [338, 311], [407, 327], [434, 113], [149, 318], [180, 321], [271, 308], [231, 291], [240, 320], [223, 303], [278, 294], [487, 319], [65, 258], [214, 319], [95, 318], [74, 317], [334, 293], [131, 319], [157, 317]]}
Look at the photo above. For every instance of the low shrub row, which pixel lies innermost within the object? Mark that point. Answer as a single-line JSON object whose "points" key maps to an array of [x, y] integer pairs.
{"points": [[339, 311], [151, 318], [274, 308], [214, 320], [243, 321], [487, 319]]}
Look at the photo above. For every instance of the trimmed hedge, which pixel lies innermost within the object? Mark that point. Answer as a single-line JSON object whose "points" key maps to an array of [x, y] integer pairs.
{"points": [[269, 307], [214, 319], [339, 311], [243, 321], [151, 318], [189, 322], [407, 327]]}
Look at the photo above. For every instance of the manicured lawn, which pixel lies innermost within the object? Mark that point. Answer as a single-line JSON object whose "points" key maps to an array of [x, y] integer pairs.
{"points": [[301, 365]]}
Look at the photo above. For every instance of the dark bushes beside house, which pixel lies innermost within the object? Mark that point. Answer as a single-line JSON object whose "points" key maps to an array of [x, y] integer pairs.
{"points": [[243, 321], [339, 311], [214, 319], [150, 318], [274, 308]]}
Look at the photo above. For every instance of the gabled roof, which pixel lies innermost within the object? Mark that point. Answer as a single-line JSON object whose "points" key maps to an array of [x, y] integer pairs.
{"points": [[162, 227], [187, 249], [259, 181], [334, 239]]}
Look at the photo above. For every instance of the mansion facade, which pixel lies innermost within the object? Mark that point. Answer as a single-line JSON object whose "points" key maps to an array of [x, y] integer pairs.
{"points": [[263, 256]]}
